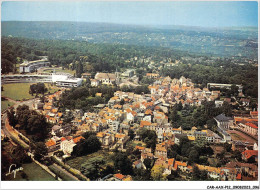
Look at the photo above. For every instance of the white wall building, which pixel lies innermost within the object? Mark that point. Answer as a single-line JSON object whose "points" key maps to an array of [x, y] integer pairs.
{"points": [[31, 66]]}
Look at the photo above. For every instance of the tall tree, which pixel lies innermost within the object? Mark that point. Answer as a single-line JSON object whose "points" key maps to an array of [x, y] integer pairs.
{"points": [[157, 173]]}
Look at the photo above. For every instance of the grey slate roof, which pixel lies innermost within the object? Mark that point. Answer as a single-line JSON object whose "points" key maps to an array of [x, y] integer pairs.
{"points": [[222, 118]]}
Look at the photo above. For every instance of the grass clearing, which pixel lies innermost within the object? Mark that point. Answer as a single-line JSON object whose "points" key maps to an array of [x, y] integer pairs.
{"points": [[17, 91], [33, 172], [20, 91], [5, 105], [138, 143]]}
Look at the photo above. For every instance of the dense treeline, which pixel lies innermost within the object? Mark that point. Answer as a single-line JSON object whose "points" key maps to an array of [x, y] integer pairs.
{"points": [[198, 40], [88, 145], [193, 152], [190, 116], [30, 121], [84, 98], [92, 58], [38, 88], [222, 71]]}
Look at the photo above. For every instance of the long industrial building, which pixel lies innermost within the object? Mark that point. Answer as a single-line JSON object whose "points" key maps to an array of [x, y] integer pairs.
{"points": [[32, 66], [59, 80], [227, 86]]}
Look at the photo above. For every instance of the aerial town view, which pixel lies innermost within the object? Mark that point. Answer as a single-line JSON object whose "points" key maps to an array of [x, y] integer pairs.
{"points": [[129, 91]]}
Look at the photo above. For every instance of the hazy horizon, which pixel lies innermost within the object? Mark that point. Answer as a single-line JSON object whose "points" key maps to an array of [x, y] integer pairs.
{"points": [[188, 14], [140, 25]]}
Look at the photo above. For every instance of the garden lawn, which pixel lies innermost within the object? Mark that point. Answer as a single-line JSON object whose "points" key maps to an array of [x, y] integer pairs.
{"points": [[5, 105], [76, 162], [138, 143]]}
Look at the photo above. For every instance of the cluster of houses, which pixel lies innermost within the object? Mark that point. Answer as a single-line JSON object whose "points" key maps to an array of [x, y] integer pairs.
{"points": [[127, 110], [61, 134], [232, 171], [181, 90], [248, 124]]}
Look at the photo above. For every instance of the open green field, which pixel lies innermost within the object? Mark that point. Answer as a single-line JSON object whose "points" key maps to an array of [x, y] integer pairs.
{"points": [[76, 162], [5, 105], [20, 91], [33, 172], [17, 91]]}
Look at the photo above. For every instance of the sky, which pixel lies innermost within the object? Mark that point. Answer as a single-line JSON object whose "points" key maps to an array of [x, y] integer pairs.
{"points": [[204, 14]]}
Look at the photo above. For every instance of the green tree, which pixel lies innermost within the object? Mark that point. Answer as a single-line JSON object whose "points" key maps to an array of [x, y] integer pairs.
{"points": [[79, 69], [173, 176], [157, 173], [40, 150], [87, 146], [234, 90], [131, 134], [93, 167], [11, 117], [122, 163], [237, 154], [193, 156], [226, 109], [148, 163], [142, 175]]}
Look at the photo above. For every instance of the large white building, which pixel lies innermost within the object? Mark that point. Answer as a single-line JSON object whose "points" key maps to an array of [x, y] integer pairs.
{"points": [[66, 81], [59, 80], [106, 78]]}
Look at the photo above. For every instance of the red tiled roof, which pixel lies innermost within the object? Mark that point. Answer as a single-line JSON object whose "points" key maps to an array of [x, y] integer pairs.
{"points": [[252, 125], [254, 113], [140, 147], [63, 139], [181, 163], [128, 110], [119, 176], [239, 177], [145, 123], [175, 166], [171, 161], [249, 153], [50, 143], [77, 139], [148, 112]]}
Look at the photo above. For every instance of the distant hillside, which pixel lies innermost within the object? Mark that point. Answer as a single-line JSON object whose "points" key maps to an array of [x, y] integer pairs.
{"points": [[220, 42]]}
